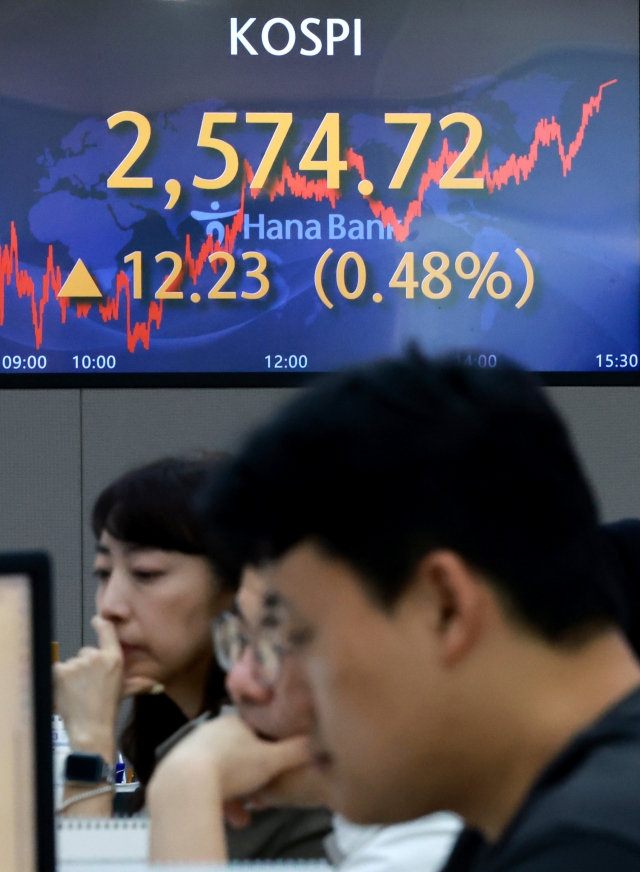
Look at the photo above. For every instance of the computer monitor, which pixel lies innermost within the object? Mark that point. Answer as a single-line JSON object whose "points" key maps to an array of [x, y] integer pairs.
{"points": [[26, 796], [245, 193]]}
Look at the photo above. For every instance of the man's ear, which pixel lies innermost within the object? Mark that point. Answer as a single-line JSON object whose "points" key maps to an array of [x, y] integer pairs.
{"points": [[459, 603]]}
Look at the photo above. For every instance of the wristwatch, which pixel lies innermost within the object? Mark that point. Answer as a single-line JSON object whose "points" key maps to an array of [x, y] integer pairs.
{"points": [[88, 769]]}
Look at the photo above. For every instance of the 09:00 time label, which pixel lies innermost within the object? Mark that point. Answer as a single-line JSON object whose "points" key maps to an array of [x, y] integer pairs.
{"points": [[18, 362]]}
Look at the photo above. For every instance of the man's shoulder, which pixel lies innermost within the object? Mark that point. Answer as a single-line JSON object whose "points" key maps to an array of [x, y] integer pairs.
{"points": [[590, 812], [601, 796], [569, 850]]}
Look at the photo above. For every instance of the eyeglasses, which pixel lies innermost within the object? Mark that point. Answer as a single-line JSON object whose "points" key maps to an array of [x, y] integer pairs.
{"points": [[231, 640]]}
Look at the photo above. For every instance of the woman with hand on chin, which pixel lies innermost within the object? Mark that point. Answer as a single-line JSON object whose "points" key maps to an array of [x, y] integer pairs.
{"points": [[157, 596]]}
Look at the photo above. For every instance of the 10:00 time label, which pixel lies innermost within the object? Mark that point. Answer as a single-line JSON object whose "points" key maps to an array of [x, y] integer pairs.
{"points": [[100, 362]]}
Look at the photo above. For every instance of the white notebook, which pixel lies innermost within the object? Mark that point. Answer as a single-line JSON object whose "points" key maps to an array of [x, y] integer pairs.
{"points": [[122, 844], [79, 839]]}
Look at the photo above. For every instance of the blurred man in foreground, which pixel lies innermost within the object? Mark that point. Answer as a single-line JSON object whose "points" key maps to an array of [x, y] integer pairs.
{"points": [[436, 547]]}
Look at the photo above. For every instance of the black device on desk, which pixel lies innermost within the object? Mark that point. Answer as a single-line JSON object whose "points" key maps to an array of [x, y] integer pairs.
{"points": [[88, 769], [26, 792]]}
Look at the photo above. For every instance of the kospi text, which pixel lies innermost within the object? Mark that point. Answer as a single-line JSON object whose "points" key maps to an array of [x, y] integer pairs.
{"points": [[278, 36]]}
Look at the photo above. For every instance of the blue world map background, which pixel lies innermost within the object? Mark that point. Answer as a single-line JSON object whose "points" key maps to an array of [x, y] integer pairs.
{"points": [[580, 232]]}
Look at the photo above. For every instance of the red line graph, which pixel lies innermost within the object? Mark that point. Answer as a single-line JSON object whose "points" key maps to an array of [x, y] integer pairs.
{"points": [[516, 168]]}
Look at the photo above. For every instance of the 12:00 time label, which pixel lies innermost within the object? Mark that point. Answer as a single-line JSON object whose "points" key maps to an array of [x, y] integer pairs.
{"points": [[286, 361]]}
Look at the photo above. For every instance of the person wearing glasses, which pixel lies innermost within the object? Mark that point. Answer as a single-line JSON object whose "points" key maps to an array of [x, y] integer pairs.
{"points": [[451, 603], [273, 699], [156, 597]]}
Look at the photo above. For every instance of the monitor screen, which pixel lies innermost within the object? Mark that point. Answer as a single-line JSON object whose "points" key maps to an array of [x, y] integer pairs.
{"points": [[17, 732], [228, 186]]}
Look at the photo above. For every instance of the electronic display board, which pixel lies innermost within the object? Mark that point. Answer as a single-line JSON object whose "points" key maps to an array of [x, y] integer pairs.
{"points": [[202, 186]]}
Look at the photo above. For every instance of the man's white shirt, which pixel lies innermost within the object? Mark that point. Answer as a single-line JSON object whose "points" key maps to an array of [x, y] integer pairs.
{"points": [[421, 845]]}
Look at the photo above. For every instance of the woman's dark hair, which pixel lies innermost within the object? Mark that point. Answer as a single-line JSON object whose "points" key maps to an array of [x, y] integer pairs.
{"points": [[156, 506]]}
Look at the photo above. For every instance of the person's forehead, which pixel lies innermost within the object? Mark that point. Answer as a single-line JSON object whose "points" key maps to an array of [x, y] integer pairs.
{"points": [[310, 582], [251, 595], [108, 545]]}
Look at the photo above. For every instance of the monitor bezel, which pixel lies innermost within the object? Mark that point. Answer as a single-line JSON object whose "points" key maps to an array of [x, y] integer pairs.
{"points": [[260, 379], [35, 566]]}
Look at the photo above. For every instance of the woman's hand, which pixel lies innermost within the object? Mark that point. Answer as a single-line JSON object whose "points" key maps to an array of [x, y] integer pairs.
{"points": [[219, 761], [88, 691]]}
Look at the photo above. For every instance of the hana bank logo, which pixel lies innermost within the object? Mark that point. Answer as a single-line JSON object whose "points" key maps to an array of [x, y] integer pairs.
{"points": [[285, 36], [213, 219]]}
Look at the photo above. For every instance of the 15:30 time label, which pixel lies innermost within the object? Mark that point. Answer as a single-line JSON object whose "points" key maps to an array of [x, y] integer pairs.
{"points": [[617, 361], [327, 136]]}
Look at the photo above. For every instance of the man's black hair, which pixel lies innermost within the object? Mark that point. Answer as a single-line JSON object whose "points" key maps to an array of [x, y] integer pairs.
{"points": [[381, 464], [624, 538]]}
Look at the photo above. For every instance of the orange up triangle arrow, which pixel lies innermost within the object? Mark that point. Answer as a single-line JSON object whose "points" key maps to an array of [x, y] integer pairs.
{"points": [[79, 283]]}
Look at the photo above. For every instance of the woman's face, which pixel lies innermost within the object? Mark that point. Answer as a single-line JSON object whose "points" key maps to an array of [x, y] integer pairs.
{"points": [[161, 604]]}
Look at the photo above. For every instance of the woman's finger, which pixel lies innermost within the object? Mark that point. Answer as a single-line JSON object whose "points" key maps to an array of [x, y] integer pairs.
{"points": [[107, 637]]}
